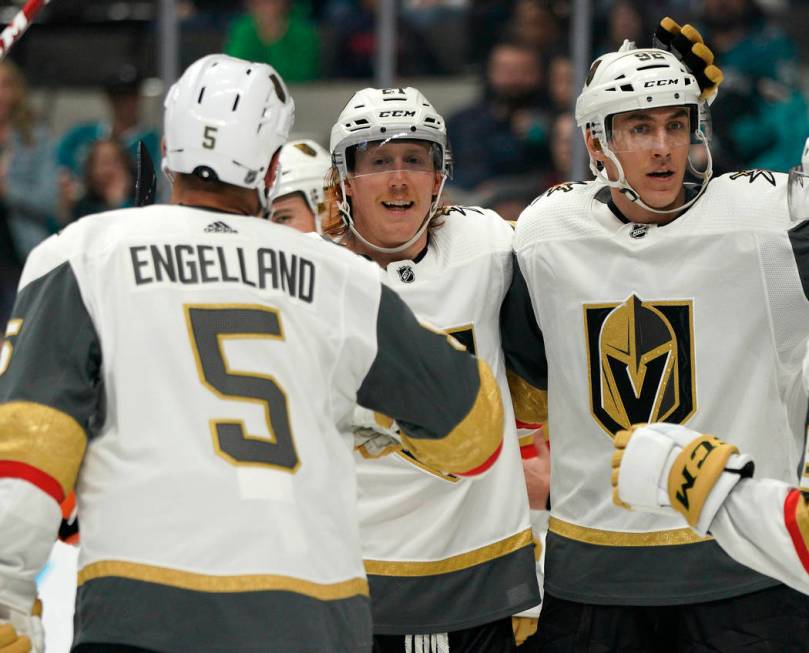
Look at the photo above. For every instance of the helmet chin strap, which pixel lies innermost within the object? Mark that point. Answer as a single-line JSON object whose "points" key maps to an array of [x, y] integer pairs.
{"points": [[633, 196], [345, 211]]}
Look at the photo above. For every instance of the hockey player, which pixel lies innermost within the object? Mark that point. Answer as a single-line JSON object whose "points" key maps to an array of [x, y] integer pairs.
{"points": [[763, 524], [640, 298], [449, 560], [193, 371], [301, 203]]}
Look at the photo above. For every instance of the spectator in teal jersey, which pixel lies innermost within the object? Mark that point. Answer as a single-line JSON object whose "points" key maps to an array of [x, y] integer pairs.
{"points": [[273, 32], [124, 125], [761, 118]]}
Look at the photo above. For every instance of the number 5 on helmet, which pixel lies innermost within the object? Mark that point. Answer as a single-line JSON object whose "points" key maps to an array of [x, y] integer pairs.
{"points": [[663, 467]]}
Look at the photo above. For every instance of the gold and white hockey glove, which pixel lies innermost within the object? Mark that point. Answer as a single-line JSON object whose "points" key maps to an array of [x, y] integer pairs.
{"points": [[375, 434], [687, 45], [21, 632], [662, 467]]}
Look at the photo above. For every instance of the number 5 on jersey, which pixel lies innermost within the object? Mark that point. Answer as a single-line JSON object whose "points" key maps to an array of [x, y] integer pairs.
{"points": [[209, 327]]}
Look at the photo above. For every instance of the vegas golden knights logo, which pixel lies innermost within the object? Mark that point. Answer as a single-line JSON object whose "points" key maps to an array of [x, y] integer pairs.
{"points": [[641, 362]]}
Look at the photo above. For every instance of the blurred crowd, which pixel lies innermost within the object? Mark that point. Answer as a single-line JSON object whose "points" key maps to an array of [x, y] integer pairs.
{"points": [[509, 145]]}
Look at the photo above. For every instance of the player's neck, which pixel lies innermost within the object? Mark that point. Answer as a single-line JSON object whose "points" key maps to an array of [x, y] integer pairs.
{"points": [[634, 212], [383, 259], [242, 203]]}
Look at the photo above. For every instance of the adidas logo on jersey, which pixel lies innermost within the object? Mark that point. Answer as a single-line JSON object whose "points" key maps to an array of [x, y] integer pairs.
{"points": [[220, 227]]}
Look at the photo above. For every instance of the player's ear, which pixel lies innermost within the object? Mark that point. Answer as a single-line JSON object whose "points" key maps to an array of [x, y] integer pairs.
{"points": [[594, 147], [272, 169]]}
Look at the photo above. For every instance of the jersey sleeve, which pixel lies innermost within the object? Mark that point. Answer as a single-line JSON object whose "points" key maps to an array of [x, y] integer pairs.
{"points": [[446, 402], [524, 349], [764, 524], [49, 398]]}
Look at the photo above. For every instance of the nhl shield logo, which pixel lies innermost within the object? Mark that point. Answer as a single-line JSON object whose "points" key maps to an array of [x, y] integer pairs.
{"points": [[638, 231], [406, 273], [640, 357]]}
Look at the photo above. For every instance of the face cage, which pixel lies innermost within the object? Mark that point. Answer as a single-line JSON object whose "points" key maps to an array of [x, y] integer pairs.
{"points": [[598, 131], [798, 194], [345, 208]]}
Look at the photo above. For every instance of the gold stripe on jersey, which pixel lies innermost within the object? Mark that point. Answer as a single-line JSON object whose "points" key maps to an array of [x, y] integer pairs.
{"points": [[618, 538], [526, 440], [224, 584], [455, 563], [43, 437], [530, 403], [473, 441]]}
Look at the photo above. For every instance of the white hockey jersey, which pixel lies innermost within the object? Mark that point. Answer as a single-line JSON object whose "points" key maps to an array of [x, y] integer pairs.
{"points": [[444, 553], [702, 321], [764, 524], [201, 369]]}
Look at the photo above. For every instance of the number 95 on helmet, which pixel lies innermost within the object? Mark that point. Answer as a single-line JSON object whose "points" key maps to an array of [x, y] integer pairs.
{"points": [[224, 120]]}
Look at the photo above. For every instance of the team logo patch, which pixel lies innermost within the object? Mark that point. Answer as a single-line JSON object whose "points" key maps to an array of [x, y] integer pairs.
{"points": [[640, 357], [406, 273], [752, 175], [565, 187], [638, 231]]}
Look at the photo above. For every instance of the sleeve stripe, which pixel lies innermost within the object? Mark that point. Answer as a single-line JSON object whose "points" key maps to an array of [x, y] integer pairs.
{"points": [[45, 482], [528, 451], [44, 438], [796, 518], [486, 465]]}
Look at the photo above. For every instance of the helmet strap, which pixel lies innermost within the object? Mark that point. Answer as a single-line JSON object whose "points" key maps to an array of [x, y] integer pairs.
{"points": [[633, 196], [345, 212]]}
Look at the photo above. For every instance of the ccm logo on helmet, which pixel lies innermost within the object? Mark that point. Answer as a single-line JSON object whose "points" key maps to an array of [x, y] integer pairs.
{"points": [[397, 113], [660, 82]]}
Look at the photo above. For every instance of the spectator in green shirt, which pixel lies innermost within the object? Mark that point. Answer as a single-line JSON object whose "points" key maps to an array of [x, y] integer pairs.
{"points": [[272, 32]]}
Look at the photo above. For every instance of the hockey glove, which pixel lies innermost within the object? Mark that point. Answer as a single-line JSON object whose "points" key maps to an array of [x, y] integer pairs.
{"points": [[523, 628], [375, 434], [663, 467], [20, 632], [687, 45]]}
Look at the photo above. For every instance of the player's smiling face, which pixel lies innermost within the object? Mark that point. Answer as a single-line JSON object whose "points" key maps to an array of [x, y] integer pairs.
{"points": [[391, 189]]}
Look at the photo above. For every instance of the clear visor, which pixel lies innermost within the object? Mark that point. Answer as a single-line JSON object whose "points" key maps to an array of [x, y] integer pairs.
{"points": [[398, 153], [668, 128], [798, 194]]}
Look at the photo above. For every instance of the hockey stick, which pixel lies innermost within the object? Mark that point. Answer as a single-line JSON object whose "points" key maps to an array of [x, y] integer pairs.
{"points": [[21, 21], [146, 182]]}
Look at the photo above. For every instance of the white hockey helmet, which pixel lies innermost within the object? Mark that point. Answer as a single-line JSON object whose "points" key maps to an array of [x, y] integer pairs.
{"points": [[381, 115], [304, 165], [224, 119], [633, 79]]}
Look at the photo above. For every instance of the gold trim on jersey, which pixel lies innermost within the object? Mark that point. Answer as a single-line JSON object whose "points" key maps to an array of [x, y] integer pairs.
{"points": [[214, 423], [619, 538], [455, 563], [473, 441], [530, 403], [207, 583], [43, 437]]}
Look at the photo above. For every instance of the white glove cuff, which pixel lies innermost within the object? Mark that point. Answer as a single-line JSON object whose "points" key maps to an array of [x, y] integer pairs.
{"points": [[645, 466]]}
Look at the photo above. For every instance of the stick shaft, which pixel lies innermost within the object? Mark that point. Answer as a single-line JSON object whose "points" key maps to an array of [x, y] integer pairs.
{"points": [[21, 21]]}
